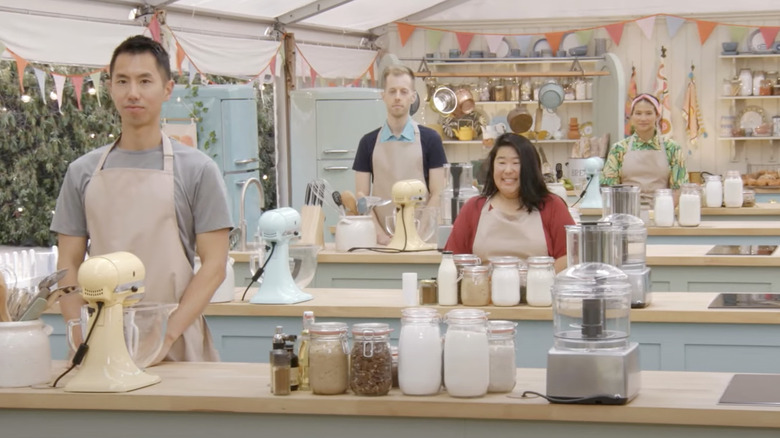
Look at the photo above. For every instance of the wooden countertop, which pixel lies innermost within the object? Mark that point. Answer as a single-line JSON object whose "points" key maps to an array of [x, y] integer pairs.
{"points": [[679, 398], [760, 209], [720, 228]]}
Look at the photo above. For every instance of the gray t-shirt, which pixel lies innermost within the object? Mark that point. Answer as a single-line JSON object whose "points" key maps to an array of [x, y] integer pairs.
{"points": [[200, 194]]}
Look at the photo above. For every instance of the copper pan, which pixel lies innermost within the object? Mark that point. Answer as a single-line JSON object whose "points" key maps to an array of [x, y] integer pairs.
{"points": [[465, 102]]}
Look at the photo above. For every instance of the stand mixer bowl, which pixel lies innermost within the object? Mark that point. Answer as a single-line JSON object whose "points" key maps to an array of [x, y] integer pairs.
{"points": [[303, 263]]}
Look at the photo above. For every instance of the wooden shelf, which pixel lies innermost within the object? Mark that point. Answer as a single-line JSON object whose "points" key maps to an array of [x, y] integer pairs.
{"points": [[751, 55], [510, 61], [749, 97], [516, 74], [752, 138], [528, 102], [479, 142]]}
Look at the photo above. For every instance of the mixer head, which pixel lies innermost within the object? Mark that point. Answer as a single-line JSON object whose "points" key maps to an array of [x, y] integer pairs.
{"points": [[112, 278], [409, 191], [281, 224]]}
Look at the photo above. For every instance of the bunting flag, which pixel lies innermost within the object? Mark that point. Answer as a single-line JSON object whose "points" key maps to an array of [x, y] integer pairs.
{"points": [[179, 56], [432, 40], [769, 34], [313, 74], [371, 72], [21, 64], [154, 28], [584, 36], [554, 39], [464, 39], [647, 25], [404, 32], [272, 66], [705, 29], [737, 33], [523, 42], [673, 25], [96, 83], [78, 85], [615, 31], [493, 41], [191, 69], [59, 86], [694, 127], [41, 76], [2, 47], [630, 96], [662, 93]]}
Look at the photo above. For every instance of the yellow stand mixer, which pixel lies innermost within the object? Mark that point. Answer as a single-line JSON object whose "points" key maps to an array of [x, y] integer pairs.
{"points": [[109, 283], [406, 195]]}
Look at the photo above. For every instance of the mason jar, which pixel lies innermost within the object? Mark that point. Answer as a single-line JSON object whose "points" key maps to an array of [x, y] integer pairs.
{"points": [[503, 366], [475, 285], [371, 361], [689, 209], [328, 358], [663, 206], [466, 353], [541, 276], [419, 352], [522, 269], [461, 261], [732, 189], [504, 281], [713, 191]]}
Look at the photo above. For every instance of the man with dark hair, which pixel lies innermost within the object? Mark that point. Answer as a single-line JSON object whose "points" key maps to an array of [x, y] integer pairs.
{"points": [[153, 197]]}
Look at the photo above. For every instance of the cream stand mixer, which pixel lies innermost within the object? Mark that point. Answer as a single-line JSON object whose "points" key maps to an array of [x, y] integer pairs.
{"points": [[109, 283], [407, 194]]}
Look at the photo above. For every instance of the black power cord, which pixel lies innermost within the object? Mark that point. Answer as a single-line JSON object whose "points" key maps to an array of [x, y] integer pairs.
{"points": [[595, 399], [584, 191], [83, 348], [391, 250], [256, 276]]}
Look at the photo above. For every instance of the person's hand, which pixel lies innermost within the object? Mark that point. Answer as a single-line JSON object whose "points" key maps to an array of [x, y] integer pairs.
{"points": [[166, 347]]}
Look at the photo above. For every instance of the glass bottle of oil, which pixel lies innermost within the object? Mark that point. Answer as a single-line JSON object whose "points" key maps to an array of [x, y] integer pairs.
{"points": [[303, 351]]}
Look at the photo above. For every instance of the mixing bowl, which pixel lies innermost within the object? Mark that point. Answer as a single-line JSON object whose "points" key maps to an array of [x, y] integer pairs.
{"points": [[303, 263]]}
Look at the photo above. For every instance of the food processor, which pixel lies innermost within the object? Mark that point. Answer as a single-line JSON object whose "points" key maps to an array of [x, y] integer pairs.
{"points": [[460, 188], [621, 209], [592, 360]]}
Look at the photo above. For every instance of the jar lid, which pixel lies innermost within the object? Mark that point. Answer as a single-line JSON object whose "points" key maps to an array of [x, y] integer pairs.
{"points": [[420, 314], [501, 326], [428, 282], [328, 328], [540, 260], [466, 259], [466, 315], [476, 269], [369, 329], [503, 260]]}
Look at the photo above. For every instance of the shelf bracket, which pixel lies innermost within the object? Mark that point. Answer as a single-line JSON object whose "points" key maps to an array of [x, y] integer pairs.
{"points": [[772, 151]]}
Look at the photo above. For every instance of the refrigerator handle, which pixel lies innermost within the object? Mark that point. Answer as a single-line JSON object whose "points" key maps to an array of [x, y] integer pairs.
{"points": [[247, 161]]}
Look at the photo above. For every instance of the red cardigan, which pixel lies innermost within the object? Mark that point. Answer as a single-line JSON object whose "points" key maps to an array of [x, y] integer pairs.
{"points": [[555, 216]]}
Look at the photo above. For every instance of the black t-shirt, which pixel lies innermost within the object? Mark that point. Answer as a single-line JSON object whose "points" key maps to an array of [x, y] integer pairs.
{"points": [[432, 151]]}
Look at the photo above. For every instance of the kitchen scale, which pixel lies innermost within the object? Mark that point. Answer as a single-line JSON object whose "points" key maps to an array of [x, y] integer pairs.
{"points": [[733, 250], [746, 301]]}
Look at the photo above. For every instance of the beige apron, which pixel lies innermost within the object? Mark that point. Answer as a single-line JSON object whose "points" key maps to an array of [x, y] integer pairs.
{"points": [[133, 210], [394, 161], [519, 234], [648, 169]]}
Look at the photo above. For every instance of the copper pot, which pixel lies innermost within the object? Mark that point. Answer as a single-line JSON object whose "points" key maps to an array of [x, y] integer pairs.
{"points": [[465, 102], [519, 119]]}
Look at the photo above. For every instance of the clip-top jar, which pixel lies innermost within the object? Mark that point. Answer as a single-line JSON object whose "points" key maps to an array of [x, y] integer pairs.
{"points": [[475, 285], [689, 210], [371, 361], [328, 357], [663, 207], [419, 352], [466, 353], [541, 276], [505, 281], [732, 189], [503, 366], [713, 191]]}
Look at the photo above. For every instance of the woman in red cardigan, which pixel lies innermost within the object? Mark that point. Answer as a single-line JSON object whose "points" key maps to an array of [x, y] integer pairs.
{"points": [[515, 215]]}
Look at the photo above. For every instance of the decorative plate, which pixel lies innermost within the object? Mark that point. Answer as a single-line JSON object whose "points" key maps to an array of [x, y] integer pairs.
{"points": [[503, 49], [751, 117], [586, 129], [569, 41], [551, 123], [755, 42], [540, 45], [500, 120]]}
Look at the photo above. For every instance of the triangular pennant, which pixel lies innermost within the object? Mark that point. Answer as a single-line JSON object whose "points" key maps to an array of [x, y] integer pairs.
{"points": [[554, 39], [523, 42], [584, 36], [21, 63], [404, 32], [96, 83], [59, 86], [493, 41], [41, 76], [615, 31], [432, 40], [673, 25], [191, 70], [647, 25], [705, 29], [313, 74], [272, 66], [769, 33], [464, 39], [179, 56], [78, 85], [737, 33], [154, 28], [371, 72]]}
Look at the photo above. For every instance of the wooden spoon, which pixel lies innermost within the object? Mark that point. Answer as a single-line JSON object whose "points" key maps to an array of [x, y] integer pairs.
{"points": [[350, 203], [4, 316]]}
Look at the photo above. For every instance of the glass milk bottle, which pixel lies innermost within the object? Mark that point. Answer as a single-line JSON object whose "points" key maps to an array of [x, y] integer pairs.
{"points": [[713, 191], [503, 366], [732, 189], [541, 275], [419, 352], [663, 206], [505, 281], [466, 353], [447, 280], [689, 214]]}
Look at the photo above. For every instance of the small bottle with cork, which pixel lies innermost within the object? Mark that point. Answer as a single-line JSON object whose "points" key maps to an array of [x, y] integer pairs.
{"points": [[283, 346]]}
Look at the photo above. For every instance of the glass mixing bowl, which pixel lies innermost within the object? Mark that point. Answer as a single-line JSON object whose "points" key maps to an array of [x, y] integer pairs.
{"points": [[303, 263]]}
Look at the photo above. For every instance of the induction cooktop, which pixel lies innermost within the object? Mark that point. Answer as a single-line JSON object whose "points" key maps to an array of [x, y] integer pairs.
{"points": [[732, 250], [745, 301]]}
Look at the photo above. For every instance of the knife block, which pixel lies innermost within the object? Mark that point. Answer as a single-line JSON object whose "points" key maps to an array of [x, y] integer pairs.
{"points": [[312, 224]]}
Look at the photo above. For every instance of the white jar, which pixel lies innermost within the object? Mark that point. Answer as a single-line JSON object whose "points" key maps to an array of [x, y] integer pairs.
{"points": [[503, 363], [732, 189], [25, 353], [713, 191], [758, 77], [541, 276], [663, 206], [447, 280], [419, 352], [580, 90], [466, 353], [690, 206], [505, 281], [745, 82], [355, 232]]}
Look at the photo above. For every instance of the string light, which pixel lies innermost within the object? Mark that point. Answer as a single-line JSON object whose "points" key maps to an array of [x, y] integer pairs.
{"points": [[53, 95], [20, 209], [92, 135], [110, 135], [92, 91], [26, 98]]}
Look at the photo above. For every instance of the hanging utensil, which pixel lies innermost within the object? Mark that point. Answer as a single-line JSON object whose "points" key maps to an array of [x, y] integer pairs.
{"points": [[4, 315], [350, 203], [337, 199]]}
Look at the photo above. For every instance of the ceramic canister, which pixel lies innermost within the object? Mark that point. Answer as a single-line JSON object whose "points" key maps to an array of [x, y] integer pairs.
{"points": [[355, 232], [25, 353]]}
